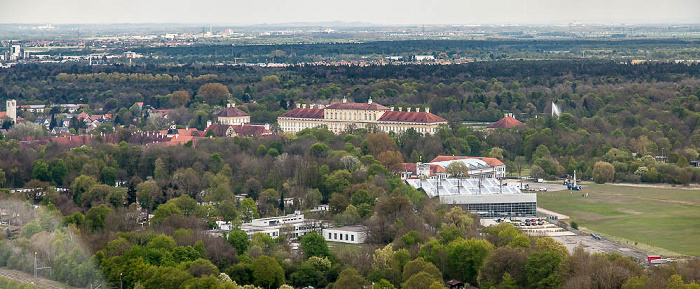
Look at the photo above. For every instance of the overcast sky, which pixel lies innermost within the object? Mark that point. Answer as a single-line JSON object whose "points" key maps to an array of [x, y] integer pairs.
{"points": [[244, 12]]}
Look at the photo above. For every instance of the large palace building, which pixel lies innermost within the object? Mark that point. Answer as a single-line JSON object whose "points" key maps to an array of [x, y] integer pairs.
{"points": [[339, 117]]}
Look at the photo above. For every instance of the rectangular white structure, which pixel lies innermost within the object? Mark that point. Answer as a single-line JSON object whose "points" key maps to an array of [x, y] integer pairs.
{"points": [[291, 226], [347, 234], [485, 197]]}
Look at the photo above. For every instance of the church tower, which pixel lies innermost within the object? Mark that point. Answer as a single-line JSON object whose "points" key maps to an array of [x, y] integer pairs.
{"points": [[11, 109]]}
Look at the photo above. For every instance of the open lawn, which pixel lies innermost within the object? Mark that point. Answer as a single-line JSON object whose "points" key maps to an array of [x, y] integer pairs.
{"points": [[666, 218]]}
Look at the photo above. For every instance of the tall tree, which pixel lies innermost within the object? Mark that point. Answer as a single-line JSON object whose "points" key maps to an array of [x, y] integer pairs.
{"points": [[314, 244], [213, 93]]}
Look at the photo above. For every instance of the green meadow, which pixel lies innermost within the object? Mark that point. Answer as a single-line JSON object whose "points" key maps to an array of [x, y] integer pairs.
{"points": [[665, 218]]}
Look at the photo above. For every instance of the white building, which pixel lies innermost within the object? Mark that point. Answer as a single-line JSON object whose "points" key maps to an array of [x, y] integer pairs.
{"points": [[478, 168], [347, 234], [486, 197], [291, 226], [420, 58], [15, 52]]}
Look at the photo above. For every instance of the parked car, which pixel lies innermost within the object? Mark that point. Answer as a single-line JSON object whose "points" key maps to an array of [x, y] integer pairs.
{"points": [[542, 189]]}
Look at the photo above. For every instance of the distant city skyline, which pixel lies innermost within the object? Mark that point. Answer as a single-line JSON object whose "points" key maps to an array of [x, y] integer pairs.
{"points": [[379, 12]]}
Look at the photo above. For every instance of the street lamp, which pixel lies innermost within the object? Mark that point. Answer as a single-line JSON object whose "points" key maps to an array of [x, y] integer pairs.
{"points": [[121, 285]]}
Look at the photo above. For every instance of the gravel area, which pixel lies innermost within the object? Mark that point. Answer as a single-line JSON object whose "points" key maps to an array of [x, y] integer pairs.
{"points": [[592, 245]]}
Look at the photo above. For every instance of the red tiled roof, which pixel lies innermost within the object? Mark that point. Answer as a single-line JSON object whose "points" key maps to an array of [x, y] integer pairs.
{"points": [[304, 113], [355, 105], [506, 122], [434, 169], [218, 129], [411, 116], [3, 114], [412, 167], [409, 167], [490, 161], [231, 112], [251, 130]]}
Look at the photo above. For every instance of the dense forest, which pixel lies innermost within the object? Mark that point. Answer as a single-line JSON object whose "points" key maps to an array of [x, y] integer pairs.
{"points": [[616, 118], [413, 241], [621, 114], [490, 49]]}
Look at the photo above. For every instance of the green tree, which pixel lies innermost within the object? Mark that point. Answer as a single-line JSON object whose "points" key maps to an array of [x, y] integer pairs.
{"points": [[81, 185], [419, 265], [164, 211], [40, 171], [603, 172], [227, 211], [30, 229], [637, 282], [519, 164], [109, 175], [95, 217], [319, 150], [421, 280], [336, 182], [542, 269], [384, 284], [267, 272], [239, 240], [465, 257], [249, 210], [58, 171], [3, 179], [148, 195], [314, 244], [349, 279], [457, 169]]}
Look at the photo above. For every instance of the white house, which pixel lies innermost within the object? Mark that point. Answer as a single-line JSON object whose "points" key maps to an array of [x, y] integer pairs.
{"points": [[347, 234], [291, 226]]}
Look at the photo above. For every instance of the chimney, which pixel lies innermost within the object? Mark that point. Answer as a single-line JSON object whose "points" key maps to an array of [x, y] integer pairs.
{"points": [[298, 105], [427, 110], [208, 123], [267, 126], [345, 100], [408, 109], [505, 114], [392, 108], [229, 104], [370, 100], [399, 109], [303, 105]]}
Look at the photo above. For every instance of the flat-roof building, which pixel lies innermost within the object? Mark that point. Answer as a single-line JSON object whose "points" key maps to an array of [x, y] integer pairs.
{"points": [[348, 234], [291, 226], [486, 197]]}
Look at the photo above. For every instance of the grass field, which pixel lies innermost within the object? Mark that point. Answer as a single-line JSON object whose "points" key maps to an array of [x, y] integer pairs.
{"points": [[667, 218]]}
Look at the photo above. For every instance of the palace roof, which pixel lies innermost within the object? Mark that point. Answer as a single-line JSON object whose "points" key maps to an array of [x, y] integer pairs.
{"points": [[506, 122], [231, 112], [411, 116], [304, 113], [358, 106]]}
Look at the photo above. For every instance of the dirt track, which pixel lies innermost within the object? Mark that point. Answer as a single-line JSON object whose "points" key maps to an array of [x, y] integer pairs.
{"points": [[592, 245]]}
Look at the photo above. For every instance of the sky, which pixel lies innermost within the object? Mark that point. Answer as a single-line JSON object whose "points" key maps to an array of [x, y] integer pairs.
{"points": [[383, 12]]}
